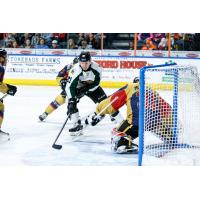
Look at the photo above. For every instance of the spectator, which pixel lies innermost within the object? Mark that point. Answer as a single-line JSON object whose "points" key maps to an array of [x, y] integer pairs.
{"points": [[80, 39], [178, 41], [131, 45], [144, 36], [188, 40], [83, 45], [97, 37], [35, 39], [92, 43], [27, 44], [8, 40], [60, 37], [151, 45], [47, 37], [163, 45], [41, 44], [71, 44], [156, 38], [73, 36], [23, 38], [54, 44], [2, 42], [14, 44]]}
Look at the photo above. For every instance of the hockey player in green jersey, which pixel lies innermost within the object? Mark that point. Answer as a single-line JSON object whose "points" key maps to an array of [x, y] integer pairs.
{"points": [[84, 79]]}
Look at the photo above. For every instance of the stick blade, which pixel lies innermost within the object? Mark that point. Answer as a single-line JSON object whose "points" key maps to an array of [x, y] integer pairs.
{"points": [[57, 146]]}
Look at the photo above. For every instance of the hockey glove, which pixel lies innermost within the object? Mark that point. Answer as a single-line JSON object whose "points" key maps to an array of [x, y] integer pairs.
{"points": [[64, 94], [81, 92], [11, 89], [72, 106], [93, 119], [63, 83]]}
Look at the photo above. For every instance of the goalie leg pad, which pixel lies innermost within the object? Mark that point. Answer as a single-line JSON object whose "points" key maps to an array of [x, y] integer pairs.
{"points": [[122, 143]]}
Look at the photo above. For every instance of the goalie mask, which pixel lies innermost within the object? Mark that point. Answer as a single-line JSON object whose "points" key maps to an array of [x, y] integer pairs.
{"points": [[136, 79]]}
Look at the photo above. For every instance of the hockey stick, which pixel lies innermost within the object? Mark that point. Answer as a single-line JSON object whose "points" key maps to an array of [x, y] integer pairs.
{"points": [[99, 114], [5, 95], [57, 146]]}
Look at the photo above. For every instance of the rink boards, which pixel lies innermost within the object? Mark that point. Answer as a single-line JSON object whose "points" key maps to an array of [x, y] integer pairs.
{"points": [[117, 70]]}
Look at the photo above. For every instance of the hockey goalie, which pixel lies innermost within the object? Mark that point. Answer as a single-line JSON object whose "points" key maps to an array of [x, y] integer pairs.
{"points": [[123, 136]]}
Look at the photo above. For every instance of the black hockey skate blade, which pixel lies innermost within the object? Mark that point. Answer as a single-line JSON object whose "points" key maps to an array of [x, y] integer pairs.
{"points": [[57, 146]]}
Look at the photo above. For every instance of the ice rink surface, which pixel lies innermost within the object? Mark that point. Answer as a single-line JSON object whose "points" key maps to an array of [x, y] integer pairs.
{"points": [[31, 140]]}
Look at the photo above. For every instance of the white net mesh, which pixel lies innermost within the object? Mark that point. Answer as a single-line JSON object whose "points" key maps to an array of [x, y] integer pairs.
{"points": [[172, 116]]}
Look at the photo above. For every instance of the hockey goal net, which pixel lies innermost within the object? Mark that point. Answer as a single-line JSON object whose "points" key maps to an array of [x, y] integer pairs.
{"points": [[169, 115]]}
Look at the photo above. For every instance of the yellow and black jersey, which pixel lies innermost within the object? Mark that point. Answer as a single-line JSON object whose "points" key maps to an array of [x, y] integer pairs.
{"points": [[64, 73], [129, 95], [3, 86]]}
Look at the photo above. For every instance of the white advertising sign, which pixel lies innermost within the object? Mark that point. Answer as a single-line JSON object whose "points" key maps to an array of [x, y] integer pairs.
{"points": [[115, 68], [35, 67]]}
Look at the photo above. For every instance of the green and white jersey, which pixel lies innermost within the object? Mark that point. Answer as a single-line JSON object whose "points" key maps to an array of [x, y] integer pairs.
{"points": [[79, 78]]}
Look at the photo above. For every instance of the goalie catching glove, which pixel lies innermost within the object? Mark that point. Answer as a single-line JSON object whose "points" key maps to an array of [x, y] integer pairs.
{"points": [[11, 89]]}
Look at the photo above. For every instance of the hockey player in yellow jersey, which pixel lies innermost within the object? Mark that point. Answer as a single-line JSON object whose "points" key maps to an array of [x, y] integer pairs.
{"points": [[61, 98], [127, 131], [123, 135], [4, 88]]}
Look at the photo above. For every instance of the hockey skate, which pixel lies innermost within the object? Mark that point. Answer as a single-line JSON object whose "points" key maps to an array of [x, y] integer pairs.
{"points": [[43, 116], [122, 143], [2, 134], [77, 129], [133, 148]]}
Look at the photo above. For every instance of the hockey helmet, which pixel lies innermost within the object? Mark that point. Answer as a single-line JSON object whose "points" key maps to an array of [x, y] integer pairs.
{"points": [[3, 53], [136, 79], [75, 60], [85, 56]]}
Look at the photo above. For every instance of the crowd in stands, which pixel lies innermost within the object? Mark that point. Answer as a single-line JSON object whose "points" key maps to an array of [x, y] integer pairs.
{"points": [[50, 40], [145, 41], [159, 41]]}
